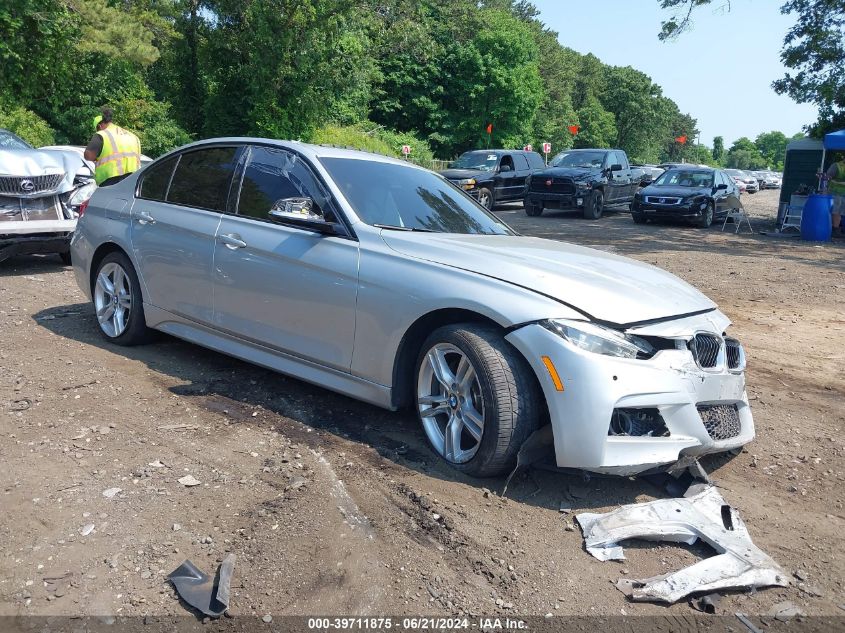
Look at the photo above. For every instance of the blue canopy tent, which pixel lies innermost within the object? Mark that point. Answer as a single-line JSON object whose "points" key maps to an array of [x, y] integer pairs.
{"points": [[835, 141]]}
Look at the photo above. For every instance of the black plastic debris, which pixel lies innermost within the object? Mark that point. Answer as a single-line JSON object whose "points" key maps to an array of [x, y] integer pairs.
{"points": [[706, 604], [206, 594]]}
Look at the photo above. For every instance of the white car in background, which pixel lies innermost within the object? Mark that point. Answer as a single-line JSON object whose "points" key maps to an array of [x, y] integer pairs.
{"points": [[41, 194]]}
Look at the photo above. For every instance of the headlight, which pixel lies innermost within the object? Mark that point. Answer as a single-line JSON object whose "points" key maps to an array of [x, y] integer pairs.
{"points": [[599, 339], [582, 186], [467, 183], [82, 194]]}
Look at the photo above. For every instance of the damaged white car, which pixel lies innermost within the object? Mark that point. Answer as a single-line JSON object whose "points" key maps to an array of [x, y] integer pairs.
{"points": [[41, 194], [383, 281]]}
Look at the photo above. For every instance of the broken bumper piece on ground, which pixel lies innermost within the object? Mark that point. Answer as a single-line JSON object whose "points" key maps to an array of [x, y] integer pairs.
{"points": [[702, 513], [207, 594]]}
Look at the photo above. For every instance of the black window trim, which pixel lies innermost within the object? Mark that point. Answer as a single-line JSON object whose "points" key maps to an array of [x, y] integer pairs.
{"points": [[179, 154], [335, 207]]}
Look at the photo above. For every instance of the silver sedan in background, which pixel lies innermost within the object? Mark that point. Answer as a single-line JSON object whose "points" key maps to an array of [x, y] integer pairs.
{"points": [[381, 280]]}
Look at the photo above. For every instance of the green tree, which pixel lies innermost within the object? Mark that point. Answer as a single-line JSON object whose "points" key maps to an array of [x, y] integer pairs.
{"points": [[772, 146], [26, 124], [718, 149], [598, 126], [744, 154]]}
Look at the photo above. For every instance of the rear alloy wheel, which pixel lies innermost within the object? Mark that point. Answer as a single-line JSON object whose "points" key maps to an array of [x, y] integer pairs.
{"points": [[533, 210], [595, 205], [485, 198], [706, 218], [477, 398], [118, 303]]}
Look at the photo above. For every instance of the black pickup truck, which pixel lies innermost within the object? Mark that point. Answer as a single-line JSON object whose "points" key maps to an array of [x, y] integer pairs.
{"points": [[586, 180], [494, 175]]}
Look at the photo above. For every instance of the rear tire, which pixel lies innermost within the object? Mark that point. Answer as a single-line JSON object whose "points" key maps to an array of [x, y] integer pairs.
{"points": [[595, 205], [118, 304], [467, 373]]}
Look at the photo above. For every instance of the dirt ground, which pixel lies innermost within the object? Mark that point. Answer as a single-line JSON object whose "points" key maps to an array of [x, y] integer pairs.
{"points": [[337, 507]]}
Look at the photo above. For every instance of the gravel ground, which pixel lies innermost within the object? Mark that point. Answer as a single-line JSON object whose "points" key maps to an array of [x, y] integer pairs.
{"points": [[336, 507]]}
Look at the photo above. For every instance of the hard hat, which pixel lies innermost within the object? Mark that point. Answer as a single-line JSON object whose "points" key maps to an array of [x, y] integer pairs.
{"points": [[97, 120]]}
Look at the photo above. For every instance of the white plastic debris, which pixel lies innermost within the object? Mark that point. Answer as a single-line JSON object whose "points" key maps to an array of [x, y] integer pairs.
{"points": [[701, 514], [110, 492], [189, 480], [87, 529]]}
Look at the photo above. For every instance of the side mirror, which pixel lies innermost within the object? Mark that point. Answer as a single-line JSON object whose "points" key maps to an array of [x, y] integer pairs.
{"points": [[301, 213], [505, 168], [616, 167], [721, 186]]}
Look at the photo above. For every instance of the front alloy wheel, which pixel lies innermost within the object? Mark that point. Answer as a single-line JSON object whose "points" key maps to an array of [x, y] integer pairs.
{"points": [[595, 205], [477, 398], [706, 218], [485, 198]]}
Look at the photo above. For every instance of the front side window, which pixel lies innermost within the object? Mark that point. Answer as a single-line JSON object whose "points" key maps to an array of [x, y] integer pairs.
{"points": [[202, 178], [272, 176], [406, 197], [156, 180]]}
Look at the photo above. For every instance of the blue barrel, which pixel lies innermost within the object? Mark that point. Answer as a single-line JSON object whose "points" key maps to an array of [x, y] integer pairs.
{"points": [[815, 219]]}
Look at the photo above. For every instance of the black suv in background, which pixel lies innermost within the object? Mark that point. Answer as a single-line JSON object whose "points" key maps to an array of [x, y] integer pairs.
{"points": [[494, 175]]}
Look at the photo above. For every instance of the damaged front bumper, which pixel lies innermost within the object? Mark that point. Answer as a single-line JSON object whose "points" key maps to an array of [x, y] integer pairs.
{"points": [[626, 416], [701, 514]]}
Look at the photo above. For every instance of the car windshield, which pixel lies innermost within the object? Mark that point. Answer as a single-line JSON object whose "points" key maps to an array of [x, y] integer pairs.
{"points": [[411, 199], [685, 178], [483, 161], [12, 141], [578, 159]]}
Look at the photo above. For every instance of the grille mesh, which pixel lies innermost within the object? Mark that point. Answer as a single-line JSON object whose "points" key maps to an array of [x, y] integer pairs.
{"points": [[559, 185], [734, 353], [720, 420], [17, 209], [705, 348], [16, 185]]}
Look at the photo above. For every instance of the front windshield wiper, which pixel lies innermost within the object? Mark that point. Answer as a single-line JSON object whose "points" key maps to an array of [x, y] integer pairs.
{"points": [[393, 227]]}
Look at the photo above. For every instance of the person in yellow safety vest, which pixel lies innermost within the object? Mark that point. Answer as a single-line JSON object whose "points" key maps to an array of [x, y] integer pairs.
{"points": [[836, 186], [115, 152]]}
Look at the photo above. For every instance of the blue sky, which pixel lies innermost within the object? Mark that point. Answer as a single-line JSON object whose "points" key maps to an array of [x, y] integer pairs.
{"points": [[720, 72]]}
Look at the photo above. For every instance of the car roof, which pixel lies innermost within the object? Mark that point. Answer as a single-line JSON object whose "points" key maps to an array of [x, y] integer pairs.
{"points": [[690, 168], [498, 151], [308, 150]]}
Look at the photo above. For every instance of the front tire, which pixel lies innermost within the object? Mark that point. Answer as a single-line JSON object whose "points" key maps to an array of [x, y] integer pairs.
{"points": [[118, 303], [706, 218], [595, 205], [533, 210], [477, 398], [638, 217], [485, 198]]}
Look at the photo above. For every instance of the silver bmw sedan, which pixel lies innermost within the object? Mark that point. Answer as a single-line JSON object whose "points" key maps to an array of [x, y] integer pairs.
{"points": [[382, 281]]}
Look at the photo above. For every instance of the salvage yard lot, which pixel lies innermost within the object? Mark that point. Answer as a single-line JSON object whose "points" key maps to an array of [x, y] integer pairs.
{"points": [[336, 507]]}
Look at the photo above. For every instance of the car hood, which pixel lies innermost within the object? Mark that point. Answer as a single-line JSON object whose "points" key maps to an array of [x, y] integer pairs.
{"points": [[603, 286], [576, 173], [674, 192], [41, 162], [461, 174]]}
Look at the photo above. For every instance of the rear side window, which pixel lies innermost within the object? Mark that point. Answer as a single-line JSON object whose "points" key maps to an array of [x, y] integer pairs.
{"points": [[202, 178], [156, 180], [272, 175], [535, 160], [521, 162]]}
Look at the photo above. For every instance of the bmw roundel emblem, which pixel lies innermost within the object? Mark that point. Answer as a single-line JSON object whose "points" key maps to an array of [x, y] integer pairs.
{"points": [[27, 186]]}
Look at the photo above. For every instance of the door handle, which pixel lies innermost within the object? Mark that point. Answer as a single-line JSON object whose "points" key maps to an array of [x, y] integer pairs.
{"points": [[232, 240], [145, 218]]}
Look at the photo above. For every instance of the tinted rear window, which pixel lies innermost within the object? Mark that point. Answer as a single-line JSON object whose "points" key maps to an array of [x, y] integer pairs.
{"points": [[521, 162], [202, 178], [156, 180], [535, 160]]}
